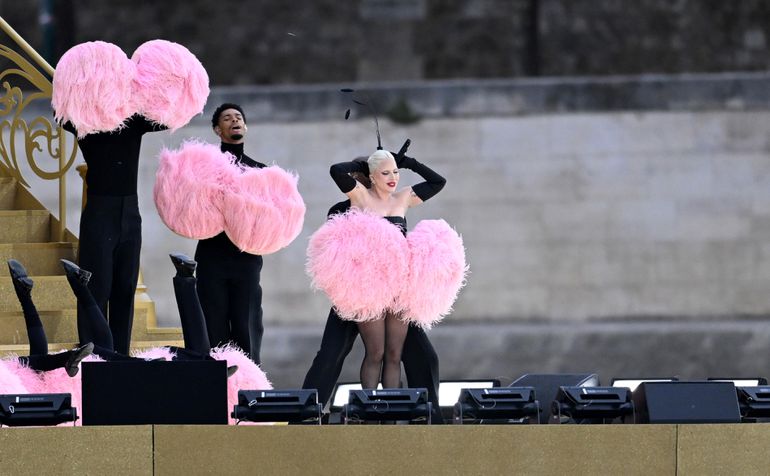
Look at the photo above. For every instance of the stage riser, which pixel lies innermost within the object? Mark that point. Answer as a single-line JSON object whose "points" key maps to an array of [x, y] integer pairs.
{"points": [[369, 449]]}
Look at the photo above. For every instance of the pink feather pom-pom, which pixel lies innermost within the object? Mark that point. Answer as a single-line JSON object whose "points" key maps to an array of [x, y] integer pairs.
{"points": [[437, 271], [57, 381], [171, 86], [248, 377], [92, 87], [263, 210], [360, 261], [189, 189], [10, 379], [154, 353]]}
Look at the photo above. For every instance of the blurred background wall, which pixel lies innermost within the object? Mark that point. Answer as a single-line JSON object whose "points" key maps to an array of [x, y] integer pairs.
{"points": [[608, 164]]}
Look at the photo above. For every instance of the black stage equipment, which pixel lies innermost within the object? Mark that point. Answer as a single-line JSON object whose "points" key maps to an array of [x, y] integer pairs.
{"points": [[686, 402], [296, 406], [449, 392], [192, 392], [591, 405], [497, 405], [547, 385], [40, 409], [741, 381], [754, 403], [632, 383], [390, 404]]}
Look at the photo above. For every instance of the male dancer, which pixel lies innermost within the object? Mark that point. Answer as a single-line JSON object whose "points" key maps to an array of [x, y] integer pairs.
{"points": [[419, 357], [228, 279], [110, 226]]}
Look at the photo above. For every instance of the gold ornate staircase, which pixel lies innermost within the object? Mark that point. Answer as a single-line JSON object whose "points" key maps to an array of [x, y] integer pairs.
{"points": [[28, 231]]}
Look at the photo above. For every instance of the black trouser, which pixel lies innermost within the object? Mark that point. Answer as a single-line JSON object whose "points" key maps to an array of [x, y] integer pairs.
{"points": [[419, 358], [231, 298], [190, 313], [110, 242]]}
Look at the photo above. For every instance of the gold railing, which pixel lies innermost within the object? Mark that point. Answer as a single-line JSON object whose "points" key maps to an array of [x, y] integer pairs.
{"points": [[38, 136]]}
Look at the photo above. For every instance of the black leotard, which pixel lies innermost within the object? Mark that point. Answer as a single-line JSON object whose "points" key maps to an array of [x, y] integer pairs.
{"points": [[400, 222]]}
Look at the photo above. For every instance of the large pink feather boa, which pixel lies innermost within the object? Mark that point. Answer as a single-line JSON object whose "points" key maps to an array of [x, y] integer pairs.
{"points": [[366, 267]]}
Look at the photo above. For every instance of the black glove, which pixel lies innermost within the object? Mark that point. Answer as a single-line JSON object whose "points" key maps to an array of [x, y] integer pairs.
{"points": [[341, 174]]}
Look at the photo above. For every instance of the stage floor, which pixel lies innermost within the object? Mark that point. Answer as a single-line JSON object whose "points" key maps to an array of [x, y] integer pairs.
{"points": [[373, 449]]}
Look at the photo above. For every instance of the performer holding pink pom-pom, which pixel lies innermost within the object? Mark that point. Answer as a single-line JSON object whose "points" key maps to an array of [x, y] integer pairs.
{"points": [[228, 279], [384, 338]]}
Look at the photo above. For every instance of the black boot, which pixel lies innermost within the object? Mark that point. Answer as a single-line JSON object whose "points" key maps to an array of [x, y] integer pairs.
{"points": [[185, 266], [74, 272], [21, 282], [77, 355]]}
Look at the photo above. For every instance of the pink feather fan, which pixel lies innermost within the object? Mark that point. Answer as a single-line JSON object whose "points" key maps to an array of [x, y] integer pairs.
{"points": [[171, 86], [263, 210], [360, 261], [189, 189], [92, 87], [437, 272]]}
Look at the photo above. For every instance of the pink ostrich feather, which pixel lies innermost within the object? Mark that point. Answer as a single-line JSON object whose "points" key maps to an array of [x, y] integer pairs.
{"points": [[248, 377], [263, 210], [57, 381], [155, 353], [92, 87], [189, 189], [360, 261], [10, 379], [171, 86], [437, 272]]}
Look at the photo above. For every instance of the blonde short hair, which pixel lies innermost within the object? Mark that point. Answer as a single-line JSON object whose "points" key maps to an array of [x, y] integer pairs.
{"points": [[377, 158]]}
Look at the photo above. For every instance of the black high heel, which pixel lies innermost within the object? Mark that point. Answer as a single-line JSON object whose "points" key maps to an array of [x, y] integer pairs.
{"points": [[21, 282], [72, 365], [75, 272], [185, 266]]}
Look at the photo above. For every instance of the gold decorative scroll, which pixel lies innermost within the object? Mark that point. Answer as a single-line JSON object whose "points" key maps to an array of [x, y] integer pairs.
{"points": [[40, 136]]}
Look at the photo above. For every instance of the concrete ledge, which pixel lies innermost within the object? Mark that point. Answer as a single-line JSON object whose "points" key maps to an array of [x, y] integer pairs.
{"points": [[690, 349], [478, 97]]}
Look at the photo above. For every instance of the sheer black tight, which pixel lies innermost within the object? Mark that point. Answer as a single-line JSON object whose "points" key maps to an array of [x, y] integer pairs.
{"points": [[383, 343]]}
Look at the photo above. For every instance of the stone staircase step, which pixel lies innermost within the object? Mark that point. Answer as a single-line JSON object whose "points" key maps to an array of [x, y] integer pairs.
{"points": [[8, 350], [7, 193], [51, 293], [40, 259], [61, 326], [25, 226]]}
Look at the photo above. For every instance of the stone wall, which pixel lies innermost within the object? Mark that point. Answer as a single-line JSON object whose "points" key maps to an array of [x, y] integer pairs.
{"points": [[310, 41]]}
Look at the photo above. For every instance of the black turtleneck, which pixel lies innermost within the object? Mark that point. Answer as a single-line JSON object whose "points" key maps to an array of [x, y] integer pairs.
{"points": [[113, 157], [220, 248], [240, 157]]}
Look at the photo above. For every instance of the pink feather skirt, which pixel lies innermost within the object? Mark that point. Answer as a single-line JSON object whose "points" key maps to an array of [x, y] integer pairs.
{"points": [[366, 267], [360, 260]]}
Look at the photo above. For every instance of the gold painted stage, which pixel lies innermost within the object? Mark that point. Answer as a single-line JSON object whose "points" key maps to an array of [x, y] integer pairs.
{"points": [[388, 449]]}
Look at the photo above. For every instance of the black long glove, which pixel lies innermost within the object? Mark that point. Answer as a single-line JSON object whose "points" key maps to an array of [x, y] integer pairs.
{"points": [[433, 182], [341, 174]]}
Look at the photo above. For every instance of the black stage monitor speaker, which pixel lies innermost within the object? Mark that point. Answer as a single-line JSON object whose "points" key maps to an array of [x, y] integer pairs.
{"points": [[388, 404], [190, 392], [547, 385], [754, 403], [686, 402], [38, 409], [485, 405], [591, 404], [278, 405]]}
